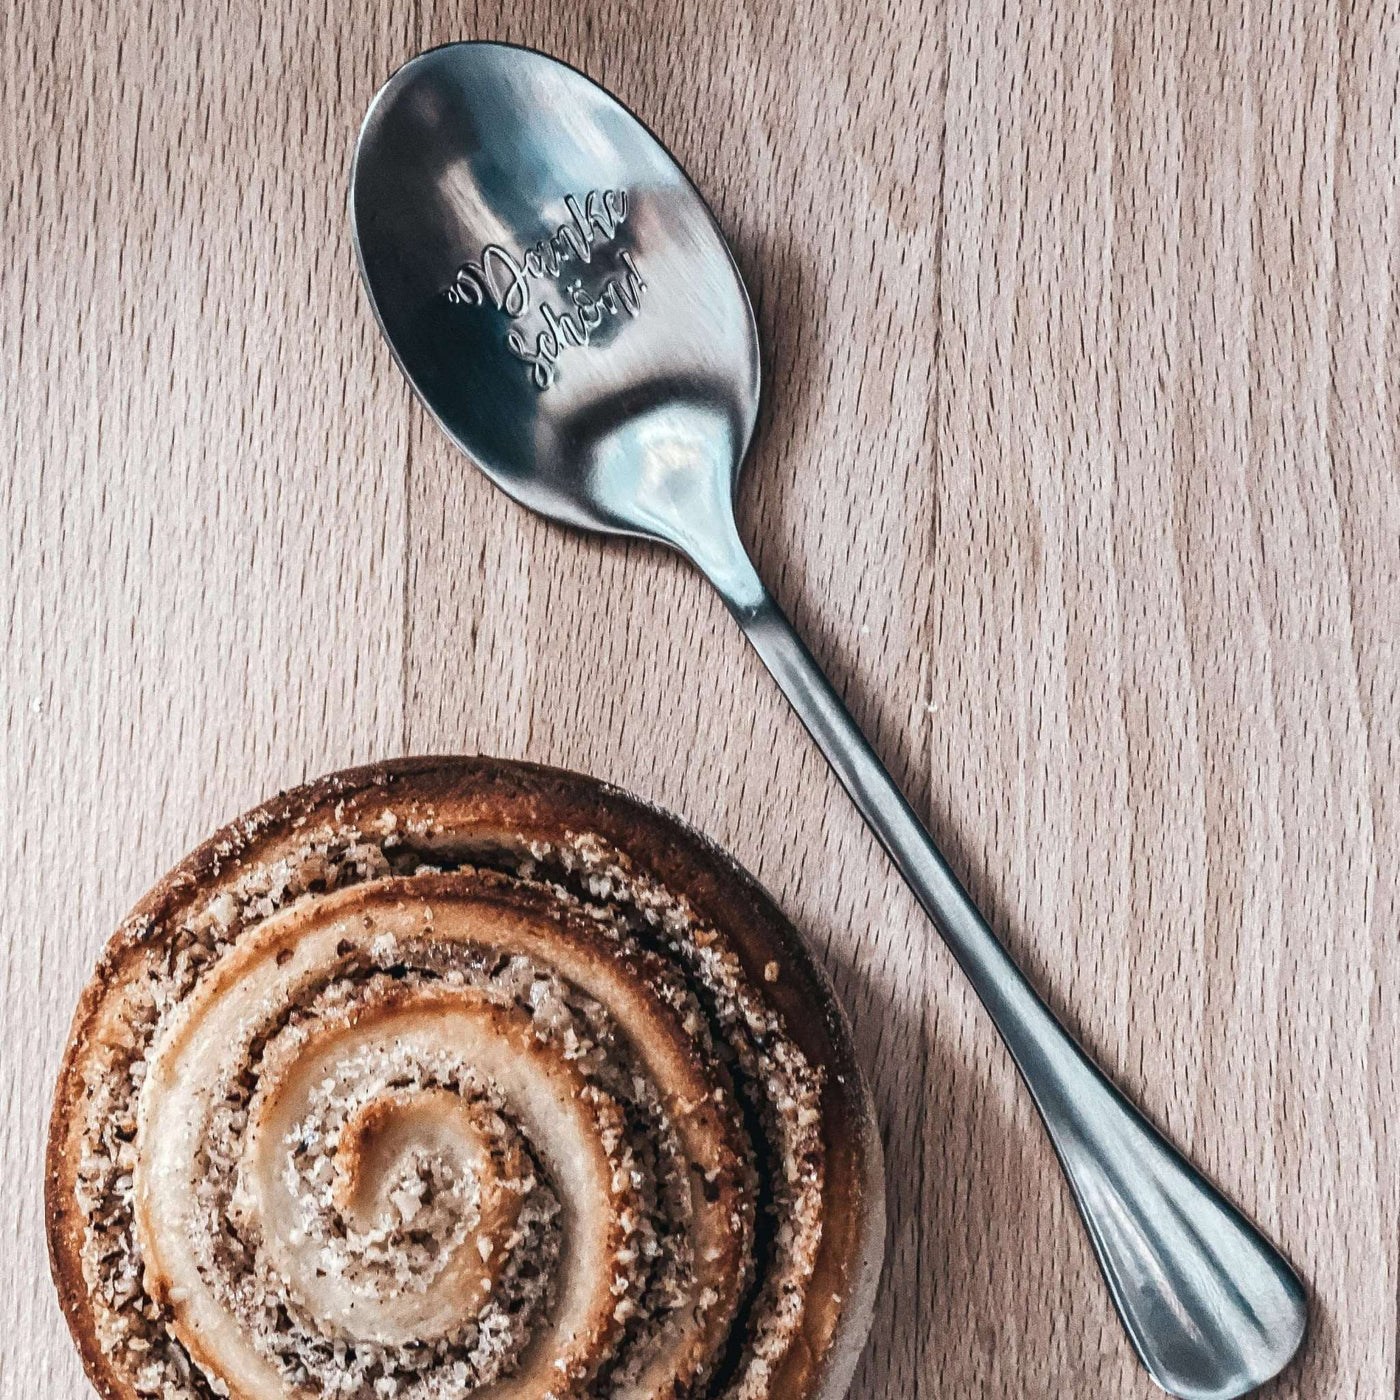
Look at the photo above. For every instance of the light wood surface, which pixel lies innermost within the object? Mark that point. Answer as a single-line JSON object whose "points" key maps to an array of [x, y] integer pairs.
{"points": [[1078, 468]]}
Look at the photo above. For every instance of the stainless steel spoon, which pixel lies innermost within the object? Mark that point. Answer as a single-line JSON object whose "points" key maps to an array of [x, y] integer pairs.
{"points": [[562, 300]]}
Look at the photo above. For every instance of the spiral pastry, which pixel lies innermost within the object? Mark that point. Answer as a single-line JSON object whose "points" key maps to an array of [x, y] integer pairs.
{"points": [[453, 1078]]}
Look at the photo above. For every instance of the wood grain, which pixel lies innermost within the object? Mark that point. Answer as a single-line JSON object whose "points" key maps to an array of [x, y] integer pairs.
{"points": [[1078, 468]]}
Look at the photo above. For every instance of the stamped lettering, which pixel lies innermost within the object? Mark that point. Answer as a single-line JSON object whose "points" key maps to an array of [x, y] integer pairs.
{"points": [[506, 281]]}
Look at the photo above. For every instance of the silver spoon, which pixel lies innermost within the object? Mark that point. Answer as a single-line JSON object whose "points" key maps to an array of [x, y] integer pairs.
{"points": [[562, 300]]}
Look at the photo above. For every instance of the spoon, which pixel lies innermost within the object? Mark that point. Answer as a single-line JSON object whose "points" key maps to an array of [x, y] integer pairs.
{"points": [[563, 302]]}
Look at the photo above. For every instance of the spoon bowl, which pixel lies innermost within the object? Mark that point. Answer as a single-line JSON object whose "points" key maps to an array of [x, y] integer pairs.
{"points": [[564, 303], [557, 292]]}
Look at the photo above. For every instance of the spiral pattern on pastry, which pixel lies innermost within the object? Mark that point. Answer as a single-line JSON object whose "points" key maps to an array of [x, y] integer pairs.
{"points": [[418, 1083]]}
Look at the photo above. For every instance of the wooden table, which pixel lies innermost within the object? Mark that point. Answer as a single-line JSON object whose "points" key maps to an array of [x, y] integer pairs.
{"points": [[1078, 468]]}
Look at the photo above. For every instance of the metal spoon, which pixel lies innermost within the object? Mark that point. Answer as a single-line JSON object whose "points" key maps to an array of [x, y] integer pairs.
{"points": [[562, 300]]}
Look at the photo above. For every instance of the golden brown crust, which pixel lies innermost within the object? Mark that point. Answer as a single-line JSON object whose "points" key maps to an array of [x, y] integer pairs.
{"points": [[470, 797]]}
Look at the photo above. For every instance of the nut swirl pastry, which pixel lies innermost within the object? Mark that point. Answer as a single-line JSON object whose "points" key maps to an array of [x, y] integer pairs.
{"points": [[456, 1077]]}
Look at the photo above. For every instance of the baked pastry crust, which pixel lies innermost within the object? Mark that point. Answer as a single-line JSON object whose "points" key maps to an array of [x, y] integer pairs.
{"points": [[474, 834]]}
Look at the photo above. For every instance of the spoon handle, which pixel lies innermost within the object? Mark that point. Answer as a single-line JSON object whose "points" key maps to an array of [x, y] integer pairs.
{"points": [[1212, 1309]]}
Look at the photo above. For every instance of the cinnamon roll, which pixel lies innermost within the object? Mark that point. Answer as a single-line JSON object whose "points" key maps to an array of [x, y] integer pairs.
{"points": [[455, 1077]]}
